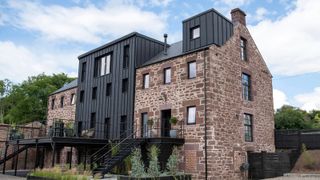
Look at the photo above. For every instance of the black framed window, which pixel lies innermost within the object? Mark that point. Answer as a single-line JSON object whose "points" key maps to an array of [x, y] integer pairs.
{"points": [[126, 56], [125, 85], [167, 75], [81, 96], [146, 81], [83, 71], [191, 113], [192, 69], [61, 101], [144, 124], [105, 64], [96, 67], [195, 32], [123, 126], [246, 87], [94, 93], [52, 103], [243, 49], [106, 127], [108, 89], [93, 120], [73, 99], [248, 128]]}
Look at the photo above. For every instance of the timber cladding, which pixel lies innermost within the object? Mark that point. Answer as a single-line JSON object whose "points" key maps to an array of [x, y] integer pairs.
{"points": [[117, 108]]}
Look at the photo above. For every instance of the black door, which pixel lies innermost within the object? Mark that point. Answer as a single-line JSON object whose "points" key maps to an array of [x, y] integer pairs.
{"points": [[79, 128], [165, 123]]}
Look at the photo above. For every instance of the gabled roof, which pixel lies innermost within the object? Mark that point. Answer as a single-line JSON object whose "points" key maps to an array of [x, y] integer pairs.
{"points": [[67, 86], [118, 40]]}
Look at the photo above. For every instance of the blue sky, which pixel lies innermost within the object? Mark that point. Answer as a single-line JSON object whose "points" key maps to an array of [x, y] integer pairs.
{"points": [[47, 36]]}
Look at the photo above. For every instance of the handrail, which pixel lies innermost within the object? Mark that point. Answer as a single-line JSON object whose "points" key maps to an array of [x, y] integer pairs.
{"points": [[118, 144]]}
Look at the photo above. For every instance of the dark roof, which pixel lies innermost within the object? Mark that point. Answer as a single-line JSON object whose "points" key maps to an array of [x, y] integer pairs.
{"points": [[118, 40], [65, 87], [205, 12], [174, 50]]}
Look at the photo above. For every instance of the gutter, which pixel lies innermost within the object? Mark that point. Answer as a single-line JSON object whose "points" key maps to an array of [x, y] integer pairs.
{"points": [[205, 115]]}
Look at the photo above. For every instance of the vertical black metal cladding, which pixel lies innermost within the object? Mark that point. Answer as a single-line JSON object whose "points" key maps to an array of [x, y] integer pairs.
{"points": [[118, 103], [214, 29]]}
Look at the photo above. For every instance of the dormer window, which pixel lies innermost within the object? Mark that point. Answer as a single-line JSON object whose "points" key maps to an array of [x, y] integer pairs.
{"points": [[195, 32]]}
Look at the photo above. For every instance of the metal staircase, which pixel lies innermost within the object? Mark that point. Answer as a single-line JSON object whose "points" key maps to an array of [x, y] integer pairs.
{"points": [[106, 159], [13, 154]]}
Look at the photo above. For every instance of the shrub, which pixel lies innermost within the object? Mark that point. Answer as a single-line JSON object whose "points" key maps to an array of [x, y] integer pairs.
{"points": [[309, 161], [173, 120], [137, 164], [173, 162], [154, 168]]}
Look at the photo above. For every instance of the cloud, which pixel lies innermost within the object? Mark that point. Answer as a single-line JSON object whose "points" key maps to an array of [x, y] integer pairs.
{"points": [[18, 62], [261, 13], [87, 24], [309, 101], [232, 3], [290, 44], [279, 99]]}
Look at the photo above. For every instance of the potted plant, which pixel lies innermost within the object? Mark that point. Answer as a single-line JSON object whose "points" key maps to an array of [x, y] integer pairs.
{"points": [[173, 132]]}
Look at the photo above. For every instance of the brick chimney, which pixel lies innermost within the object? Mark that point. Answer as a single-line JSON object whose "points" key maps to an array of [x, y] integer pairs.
{"points": [[238, 16]]}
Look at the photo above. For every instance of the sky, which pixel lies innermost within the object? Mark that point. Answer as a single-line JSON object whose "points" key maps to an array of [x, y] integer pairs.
{"points": [[48, 35]]}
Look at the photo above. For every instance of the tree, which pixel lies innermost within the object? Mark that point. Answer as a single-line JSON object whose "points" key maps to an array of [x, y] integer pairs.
{"points": [[288, 117], [27, 102], [5, 88]]}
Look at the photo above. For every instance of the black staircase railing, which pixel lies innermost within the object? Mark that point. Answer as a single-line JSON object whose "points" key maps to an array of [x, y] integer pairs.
{"points": [[13, 154]]}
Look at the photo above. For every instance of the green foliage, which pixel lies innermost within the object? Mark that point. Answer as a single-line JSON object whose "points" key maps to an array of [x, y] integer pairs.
{"points": [[173, 162], [173, 120], [137, 164], [27, 102], [58, 173], [288, 117], [154, 168]]}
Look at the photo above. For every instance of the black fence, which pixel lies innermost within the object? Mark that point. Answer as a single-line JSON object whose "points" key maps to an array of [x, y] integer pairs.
{"points": [[293, 139], [268, 165]]}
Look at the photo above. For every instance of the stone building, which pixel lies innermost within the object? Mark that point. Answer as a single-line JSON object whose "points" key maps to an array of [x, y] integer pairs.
{"points": [[62, 108], [221, 96]]}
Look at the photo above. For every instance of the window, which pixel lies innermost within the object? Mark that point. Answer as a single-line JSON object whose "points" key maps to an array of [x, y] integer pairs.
{"points": [[195, 32], [73, 99], [108, 89], [167, 76], [79, 128], [192, 69], [248, 128], [96, 67], [191, 115], [105, 65], [124, 85], [106, 127], [126, 56], [94, 93], [123, 127], [81, 96], [144, 125], [145, 81], [52, 103], [61, 101], [93, 120], [246, 87], [243, 49], [102, 66], [83, 71]]}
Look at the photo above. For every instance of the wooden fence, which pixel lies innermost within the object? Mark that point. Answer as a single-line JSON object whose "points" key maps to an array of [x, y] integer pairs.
{"points": [[267, 165], [293, 139]]}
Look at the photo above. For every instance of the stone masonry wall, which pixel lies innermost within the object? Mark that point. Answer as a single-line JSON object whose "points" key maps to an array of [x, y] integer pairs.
{"points": [[227, 149], [67, 113]]}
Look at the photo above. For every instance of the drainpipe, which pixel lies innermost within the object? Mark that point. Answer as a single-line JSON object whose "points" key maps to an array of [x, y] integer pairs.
{"points": [[205, 115]]}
